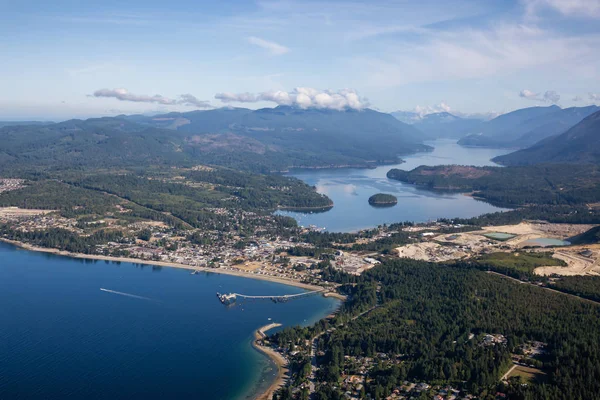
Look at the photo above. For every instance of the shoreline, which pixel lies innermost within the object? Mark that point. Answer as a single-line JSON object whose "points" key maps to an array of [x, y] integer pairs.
{"points": [[64, 253], [259, 334], [279, 361]]}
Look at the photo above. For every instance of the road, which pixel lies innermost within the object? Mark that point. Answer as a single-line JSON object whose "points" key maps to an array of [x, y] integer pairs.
{"points": [[505, 376]]}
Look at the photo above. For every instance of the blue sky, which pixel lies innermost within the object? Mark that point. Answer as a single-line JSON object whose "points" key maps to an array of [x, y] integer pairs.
{"points": [[65, 59]]}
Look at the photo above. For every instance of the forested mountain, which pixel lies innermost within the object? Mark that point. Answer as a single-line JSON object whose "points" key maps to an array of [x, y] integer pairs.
{"points": [[262, 140], [344, 137], [512, 186], [15, 123], [580, 144], [525, 127], [95, 142]]}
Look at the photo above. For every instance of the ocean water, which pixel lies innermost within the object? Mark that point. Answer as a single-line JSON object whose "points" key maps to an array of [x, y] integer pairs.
{"points": [[350, 189], [63, 337]]}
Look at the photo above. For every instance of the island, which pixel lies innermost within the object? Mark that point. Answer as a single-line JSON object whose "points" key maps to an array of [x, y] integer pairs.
{"points": [[383, 200]]}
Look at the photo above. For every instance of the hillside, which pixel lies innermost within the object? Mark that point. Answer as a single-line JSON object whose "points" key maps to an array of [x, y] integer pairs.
{"points": [[95, 142], [262, 140], [591, 236], [15, 123], [580, 144], [511, 186], [525, 127], [309, 136]]}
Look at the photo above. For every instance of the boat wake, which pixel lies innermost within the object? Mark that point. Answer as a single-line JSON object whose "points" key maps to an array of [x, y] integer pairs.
{"points": [[125, 294]]}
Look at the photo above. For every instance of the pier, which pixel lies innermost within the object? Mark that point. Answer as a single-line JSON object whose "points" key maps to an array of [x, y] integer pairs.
{"points": [[231, 298]]}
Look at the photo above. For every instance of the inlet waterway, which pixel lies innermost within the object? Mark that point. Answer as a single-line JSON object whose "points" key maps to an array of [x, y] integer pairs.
{"points": [[351, 188], [151, 333]]}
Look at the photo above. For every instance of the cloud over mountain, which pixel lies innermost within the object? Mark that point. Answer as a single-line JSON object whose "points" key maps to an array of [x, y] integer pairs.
{"points": [[550, 96], [124, 95], [302, 97]]}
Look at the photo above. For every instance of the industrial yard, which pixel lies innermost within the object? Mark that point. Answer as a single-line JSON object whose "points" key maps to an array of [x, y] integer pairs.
{"points": [[526, 236]]}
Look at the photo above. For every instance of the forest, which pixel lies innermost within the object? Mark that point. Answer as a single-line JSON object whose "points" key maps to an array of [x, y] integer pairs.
{"points": [[262, 141], [518, 265], [552, 184], [432, 317], [181, 199], [584, 286], [383, 199]]}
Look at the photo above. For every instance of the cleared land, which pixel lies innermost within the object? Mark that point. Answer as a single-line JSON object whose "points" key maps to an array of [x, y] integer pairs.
{"points": [[8, 212], [528, 374], [430, 251], [446, 247], [576, 263]]}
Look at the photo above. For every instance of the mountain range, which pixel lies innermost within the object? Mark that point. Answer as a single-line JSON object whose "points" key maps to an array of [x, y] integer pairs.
{"points": [[15, 123], [580, 144], [261, 140], [525, 127], [276, 139], [514, 130]]}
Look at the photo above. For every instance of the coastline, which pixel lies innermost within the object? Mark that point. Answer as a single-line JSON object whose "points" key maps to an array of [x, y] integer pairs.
{"points": [[259, 334], [242, 274], [278, 359]]}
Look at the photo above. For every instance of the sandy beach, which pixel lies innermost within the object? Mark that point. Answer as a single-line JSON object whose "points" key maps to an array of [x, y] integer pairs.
{"points": [[277, 358]]}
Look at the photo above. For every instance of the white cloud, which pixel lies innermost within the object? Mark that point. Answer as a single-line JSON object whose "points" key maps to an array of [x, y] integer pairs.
{"points": [[528, 94], [594, 96], [275, 49], [124, 95], [302, 97], [438, 108], [550, 96], [468, 54], [577, 98], [584, 8], [190, 100], [421, 111], [228, 97]]}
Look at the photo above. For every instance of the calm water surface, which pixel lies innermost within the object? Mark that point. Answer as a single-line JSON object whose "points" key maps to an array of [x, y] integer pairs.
{"points": [[350, 190], [60, 336], [544, 242]]}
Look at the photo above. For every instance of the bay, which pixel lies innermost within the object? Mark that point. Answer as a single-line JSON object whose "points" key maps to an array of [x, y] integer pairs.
{"points": [[61, 336], [350, 189]]}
